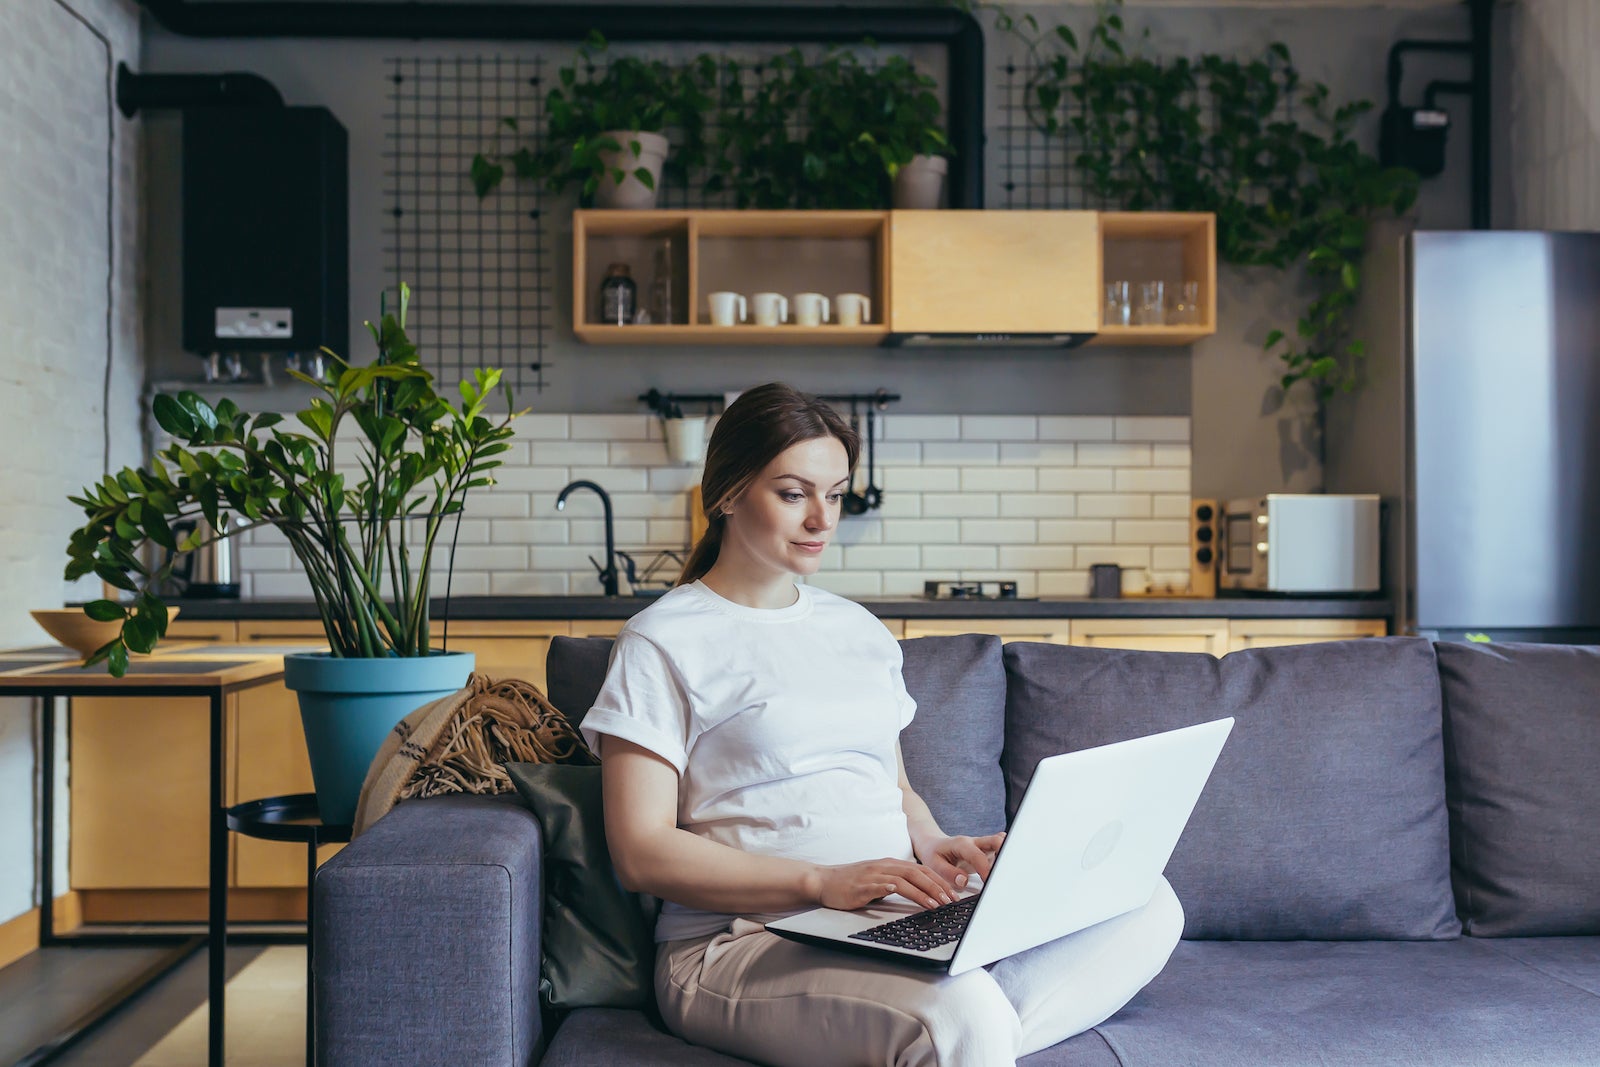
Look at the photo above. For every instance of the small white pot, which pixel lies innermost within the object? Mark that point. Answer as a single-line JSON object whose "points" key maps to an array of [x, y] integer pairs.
{"points": [[631, 193], [920, 183], [686, 439]]}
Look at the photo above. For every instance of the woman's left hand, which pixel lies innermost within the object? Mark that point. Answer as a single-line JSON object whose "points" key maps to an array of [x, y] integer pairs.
{"points": [[956, 856]]}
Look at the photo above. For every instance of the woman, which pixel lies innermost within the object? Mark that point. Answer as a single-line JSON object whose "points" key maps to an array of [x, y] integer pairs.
{"points": [[748, 730]]}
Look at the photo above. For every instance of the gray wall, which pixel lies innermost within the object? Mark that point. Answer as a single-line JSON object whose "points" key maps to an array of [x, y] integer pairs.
{"points": [[1245, 440]]}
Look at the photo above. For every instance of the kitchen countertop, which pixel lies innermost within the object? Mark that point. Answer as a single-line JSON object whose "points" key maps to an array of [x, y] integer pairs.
{"points": [[600, 607]]}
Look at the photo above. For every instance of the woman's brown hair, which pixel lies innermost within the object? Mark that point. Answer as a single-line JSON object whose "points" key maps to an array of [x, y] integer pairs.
{"points": [[755, 429]]}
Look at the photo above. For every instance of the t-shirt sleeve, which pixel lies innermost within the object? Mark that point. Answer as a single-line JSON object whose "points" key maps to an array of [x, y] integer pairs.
{"points": [[641, 701], [905, 704]]}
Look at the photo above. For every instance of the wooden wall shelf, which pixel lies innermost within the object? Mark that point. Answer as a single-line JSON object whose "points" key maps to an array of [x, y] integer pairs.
{"points": [[831, 252]]}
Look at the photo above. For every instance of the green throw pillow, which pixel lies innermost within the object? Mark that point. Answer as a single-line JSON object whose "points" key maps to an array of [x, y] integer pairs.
{"points": [[599, 945]]}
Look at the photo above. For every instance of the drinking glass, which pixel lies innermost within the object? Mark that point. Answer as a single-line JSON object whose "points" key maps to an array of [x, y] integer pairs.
{"points": [[1152, 307], [1119, 308], [1186, 306]]}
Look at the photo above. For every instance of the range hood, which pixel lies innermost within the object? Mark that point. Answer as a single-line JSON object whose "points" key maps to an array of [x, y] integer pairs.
{"points": [[987, 340]]}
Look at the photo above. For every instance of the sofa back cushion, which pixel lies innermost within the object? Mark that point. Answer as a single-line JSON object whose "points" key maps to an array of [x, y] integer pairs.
{"points": [[952, 747], [1325, 816], [1522, 775]]}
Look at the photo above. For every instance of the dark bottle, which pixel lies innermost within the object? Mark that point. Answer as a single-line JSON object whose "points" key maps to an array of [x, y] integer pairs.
{"points": [[619, 297]]}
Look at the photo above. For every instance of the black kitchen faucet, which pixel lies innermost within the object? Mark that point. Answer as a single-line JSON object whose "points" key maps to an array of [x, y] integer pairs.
{"points": [[608, 572]]}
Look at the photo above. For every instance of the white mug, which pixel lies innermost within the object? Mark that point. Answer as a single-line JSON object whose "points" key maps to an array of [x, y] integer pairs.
{"points": [[724, 306], [854, 309], [771, 309], [811, 309]]}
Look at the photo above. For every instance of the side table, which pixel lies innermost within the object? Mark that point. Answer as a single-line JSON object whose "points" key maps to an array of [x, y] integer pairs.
{"points": [[294, 818]]}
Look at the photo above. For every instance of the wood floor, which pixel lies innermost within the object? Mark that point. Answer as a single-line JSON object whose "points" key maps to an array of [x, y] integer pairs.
{"points": [[50, 988]]}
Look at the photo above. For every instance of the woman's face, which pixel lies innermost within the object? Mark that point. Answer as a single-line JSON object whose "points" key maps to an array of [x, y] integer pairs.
{"points": [[784, 520]]}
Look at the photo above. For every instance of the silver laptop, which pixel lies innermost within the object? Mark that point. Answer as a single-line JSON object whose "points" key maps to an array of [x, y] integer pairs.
{"points": [[1093, 834]]}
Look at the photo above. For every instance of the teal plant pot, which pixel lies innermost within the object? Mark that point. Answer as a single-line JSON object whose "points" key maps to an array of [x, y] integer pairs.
{"points": [[348, 707]]}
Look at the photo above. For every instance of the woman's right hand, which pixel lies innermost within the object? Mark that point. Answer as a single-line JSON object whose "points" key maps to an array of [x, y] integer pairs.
{"points": [[848, 886]]}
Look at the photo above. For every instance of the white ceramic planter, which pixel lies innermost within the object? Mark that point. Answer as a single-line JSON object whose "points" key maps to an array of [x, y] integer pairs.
{"points": [[631, 193], [686, 439], [920, 183]]}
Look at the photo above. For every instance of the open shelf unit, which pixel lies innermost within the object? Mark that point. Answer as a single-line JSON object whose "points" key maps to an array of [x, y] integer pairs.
{"points": [[787, 252], [1171, 247]]}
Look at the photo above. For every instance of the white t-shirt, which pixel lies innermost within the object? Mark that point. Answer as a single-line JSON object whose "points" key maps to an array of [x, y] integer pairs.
{"points": [[781, 723]]}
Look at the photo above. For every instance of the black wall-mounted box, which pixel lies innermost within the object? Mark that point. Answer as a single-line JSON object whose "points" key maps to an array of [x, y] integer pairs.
{"points": [[265, 230]]}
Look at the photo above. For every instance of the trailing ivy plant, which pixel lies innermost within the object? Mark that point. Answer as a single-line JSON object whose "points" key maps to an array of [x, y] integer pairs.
{"points": [[1273, 158]]}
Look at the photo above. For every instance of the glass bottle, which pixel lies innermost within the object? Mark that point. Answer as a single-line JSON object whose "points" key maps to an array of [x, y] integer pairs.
{"points": [[659, 303], [619, 297]]}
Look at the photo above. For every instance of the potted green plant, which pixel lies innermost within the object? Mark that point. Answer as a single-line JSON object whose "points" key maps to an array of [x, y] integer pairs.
{"points": [[606, 127], [830, 132], [367, 546]]}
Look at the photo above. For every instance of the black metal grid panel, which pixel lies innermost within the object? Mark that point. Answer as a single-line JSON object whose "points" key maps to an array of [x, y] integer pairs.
{"points": [[1036, 170], [479, 270]]}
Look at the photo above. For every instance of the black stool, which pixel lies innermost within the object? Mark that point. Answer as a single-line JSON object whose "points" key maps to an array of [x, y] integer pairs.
{"points": [[293, 818]]}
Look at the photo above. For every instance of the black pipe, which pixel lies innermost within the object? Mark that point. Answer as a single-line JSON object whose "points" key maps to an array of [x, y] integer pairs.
{"points": [[957, 31], [135, 91], [1482, 26], [1438, 86]]}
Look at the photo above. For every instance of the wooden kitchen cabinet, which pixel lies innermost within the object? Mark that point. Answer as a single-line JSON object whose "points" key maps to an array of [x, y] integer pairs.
{"points": [[139, 775], [960, 272], [994, 271], [1050, 631], [1271, 633], [1153, 635]]}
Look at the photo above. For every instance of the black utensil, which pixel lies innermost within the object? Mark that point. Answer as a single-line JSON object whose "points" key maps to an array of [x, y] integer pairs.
{"points": [[873, 495], [855, 503]]}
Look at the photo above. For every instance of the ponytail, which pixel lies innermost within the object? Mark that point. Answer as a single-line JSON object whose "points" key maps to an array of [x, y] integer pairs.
{"points": [[704, 555]]}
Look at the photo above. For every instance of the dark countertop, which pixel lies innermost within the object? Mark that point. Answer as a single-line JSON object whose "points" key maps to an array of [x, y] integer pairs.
{"points": [[599, 607]]}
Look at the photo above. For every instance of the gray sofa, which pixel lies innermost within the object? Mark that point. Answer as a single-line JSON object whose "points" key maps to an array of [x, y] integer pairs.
{"points": [[1397, 860]]}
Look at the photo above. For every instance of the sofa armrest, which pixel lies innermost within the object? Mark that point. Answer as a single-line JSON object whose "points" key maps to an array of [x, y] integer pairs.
{"points": [[427, 937]]}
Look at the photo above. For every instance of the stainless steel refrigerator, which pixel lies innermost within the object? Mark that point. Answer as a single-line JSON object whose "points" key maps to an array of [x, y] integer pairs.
{"points": [[1479, 423]]}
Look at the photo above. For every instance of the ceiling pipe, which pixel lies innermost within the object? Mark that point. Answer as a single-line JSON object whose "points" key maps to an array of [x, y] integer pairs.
{"points": [[956, 31]]}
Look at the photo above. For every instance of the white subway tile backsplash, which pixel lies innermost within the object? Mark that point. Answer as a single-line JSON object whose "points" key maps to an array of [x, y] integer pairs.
{"points": [[881, 557], [614, 428], [920, 428], [958, 557], [1076, 428], [960, 505], [1038, 505], [999, 531], [1041, 454], [1114, 505], [955, 454], [999, 428], [1031, 499], [922, 532], [999, 480], [1153, 428]]}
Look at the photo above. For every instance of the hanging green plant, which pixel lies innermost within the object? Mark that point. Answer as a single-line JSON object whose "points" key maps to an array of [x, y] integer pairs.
{"points": [[1272, 158]]}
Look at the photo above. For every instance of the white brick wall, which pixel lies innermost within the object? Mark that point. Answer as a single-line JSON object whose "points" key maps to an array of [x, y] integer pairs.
{"points": [[1035, 499], [1553, 113], [55, 126]]}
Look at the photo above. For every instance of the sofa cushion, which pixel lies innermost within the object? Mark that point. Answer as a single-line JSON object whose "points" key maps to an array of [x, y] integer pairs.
{"points": [[1325, 815], [598, 939], [1351, 1004], [1522, 750], [1573, 960], [952, 747], [600, 1037]]}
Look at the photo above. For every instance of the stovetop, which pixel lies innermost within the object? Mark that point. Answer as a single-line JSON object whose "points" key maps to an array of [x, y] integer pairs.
{"points": [[970, 590]]}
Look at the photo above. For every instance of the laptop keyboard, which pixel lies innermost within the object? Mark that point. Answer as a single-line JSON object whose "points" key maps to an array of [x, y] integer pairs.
{"points": [[924, 930]]}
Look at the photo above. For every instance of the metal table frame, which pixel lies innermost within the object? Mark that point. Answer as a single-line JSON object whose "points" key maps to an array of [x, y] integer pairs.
{"points": [[245, 671]]}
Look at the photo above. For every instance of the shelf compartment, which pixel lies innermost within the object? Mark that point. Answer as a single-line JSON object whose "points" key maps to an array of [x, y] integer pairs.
{"points": [[1170, 247], [601, 238], [733, 335]]}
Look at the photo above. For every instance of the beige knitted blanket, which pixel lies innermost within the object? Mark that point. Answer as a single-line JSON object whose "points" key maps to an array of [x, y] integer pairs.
{"points": [[461, 743]]}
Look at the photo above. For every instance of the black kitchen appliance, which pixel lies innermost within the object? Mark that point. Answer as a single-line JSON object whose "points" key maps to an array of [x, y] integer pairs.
{"points": [[971, 590], [265, 230]]}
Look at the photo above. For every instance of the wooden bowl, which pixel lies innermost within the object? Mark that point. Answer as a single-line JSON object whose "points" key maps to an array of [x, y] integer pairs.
{"points": [[72, 628]]}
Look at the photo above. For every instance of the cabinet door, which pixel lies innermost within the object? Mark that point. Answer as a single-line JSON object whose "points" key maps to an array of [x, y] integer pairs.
{"points": [[140, 770], [1270, 633], [988, 271], [268, 753], [511, 649], [1050, 631], [1153, 635]]}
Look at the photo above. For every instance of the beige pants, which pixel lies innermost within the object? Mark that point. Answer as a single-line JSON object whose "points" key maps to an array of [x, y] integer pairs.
{"points": [[754, 994]]}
